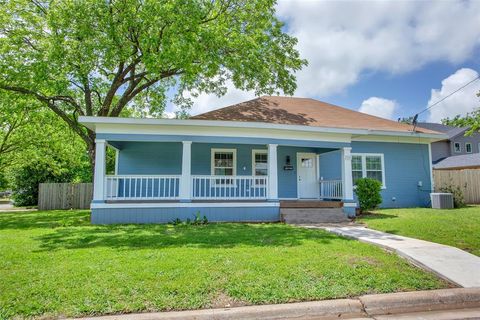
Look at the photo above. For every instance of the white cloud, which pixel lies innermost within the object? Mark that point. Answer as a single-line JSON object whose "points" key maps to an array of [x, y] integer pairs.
{"points": [[379, 107], [342, 39], [461, 102], [169, 115]]}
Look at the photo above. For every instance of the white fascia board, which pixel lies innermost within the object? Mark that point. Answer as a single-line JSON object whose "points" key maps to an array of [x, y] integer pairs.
{"points": [[394, 139], [95, 123]]}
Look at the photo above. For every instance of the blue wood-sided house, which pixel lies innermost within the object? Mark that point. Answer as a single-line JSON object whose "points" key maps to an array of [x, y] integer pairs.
{"points": [[240, 162]]}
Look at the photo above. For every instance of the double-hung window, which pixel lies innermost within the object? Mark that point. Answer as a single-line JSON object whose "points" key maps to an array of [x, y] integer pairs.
{"points": [[468, 147], [260, 166], [368, 165], [224, 164], [457, 147]]}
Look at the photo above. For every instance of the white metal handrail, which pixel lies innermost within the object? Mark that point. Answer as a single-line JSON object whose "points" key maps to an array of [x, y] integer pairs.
{"points": [[142, 187], [229, 187], [331, 189]]}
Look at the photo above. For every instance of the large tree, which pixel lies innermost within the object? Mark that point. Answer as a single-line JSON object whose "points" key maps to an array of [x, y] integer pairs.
{"points": [[98, 57]]}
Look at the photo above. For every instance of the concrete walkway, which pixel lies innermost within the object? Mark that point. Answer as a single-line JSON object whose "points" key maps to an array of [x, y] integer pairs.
{"points": [[452, 264]]}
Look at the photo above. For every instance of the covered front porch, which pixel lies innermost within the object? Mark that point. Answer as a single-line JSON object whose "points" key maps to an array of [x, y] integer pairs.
{"points": [[186, 171]]}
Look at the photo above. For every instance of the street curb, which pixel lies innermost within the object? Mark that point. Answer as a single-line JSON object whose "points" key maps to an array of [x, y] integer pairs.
{"points": [[443, 299], [360, 307], [327, 309]]}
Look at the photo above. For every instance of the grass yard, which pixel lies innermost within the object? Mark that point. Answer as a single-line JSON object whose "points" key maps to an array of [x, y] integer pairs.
{"points": [[57, 264], [458, 227]]}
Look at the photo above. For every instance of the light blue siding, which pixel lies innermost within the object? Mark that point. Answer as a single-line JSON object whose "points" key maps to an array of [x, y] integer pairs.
{"points": [[287, 179], [405, 165], [331, 165], [166, 158], [201, 157], [165, 215], [150, 158]]}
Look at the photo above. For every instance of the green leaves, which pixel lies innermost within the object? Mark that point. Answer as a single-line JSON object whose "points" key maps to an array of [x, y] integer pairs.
{"points": [[69, 47], [471, 119], [98, 58]]}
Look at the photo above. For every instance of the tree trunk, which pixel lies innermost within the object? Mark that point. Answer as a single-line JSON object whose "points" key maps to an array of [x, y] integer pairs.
{"points": [[91, 152]]}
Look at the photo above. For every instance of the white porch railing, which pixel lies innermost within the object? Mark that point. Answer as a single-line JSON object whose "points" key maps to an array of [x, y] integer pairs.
{"points": [[331, 189], [142, 187], [229, 187]]}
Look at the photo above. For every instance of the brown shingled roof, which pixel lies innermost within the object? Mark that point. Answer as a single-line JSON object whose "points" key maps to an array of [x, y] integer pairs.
{"points": [[303, 111]]}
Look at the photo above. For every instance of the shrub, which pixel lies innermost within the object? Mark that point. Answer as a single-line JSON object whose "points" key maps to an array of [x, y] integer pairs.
{"points": [[368, 193], [458, 198], [197, 220], [27, 178]]}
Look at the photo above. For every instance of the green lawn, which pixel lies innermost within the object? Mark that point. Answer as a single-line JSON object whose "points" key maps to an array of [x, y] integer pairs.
{"points": [[458, 227], [57, 264]]}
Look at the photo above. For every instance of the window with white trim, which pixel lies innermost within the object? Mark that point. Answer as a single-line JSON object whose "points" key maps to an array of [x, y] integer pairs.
{"points": [[357, 169], [457, 147], [224, 164], [260, 165], [468, 147], [368, 165]]}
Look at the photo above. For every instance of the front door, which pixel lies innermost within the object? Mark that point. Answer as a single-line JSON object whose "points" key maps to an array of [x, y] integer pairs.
{"points": [[307, 185]]}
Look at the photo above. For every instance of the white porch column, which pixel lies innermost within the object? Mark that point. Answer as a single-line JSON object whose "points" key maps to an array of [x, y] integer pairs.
{"points": [[186, 179], [272, 172], [99, 171], [347, 173]]}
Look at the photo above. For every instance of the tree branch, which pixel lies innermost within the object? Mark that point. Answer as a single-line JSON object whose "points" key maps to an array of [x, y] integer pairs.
{"points": [[133, 90], [50, 102]]}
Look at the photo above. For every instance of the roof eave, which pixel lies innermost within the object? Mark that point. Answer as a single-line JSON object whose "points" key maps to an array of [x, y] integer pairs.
{"points": [[91, 122]]}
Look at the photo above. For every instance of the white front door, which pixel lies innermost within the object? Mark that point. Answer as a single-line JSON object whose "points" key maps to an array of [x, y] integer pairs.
{"points": [[307, 184]]}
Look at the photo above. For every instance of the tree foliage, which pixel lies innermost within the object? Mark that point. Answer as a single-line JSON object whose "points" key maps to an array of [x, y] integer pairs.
{"points": [[14, 121], [41, 148], [95, 57], [471, 119]]}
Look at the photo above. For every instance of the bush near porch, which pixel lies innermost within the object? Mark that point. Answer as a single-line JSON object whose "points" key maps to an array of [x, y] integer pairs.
{"points": [[56, 263], [455, 227]]}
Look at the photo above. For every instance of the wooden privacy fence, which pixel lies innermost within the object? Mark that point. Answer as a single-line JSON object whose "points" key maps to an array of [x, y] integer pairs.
{"points": [[53, 196], [467, 179]]}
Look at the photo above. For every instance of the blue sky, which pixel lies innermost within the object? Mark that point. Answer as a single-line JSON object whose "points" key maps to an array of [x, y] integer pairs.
{"points": [[412, 91], [387, 58]]}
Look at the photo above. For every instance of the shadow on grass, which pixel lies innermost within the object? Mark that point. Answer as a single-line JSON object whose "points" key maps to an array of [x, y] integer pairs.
{"points": [[72, 230], [377, 216], [43, 219], [221, 235]]}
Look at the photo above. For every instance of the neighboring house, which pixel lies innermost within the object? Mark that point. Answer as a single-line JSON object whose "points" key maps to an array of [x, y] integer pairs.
{"points": [[455, 144], [240, 163], [464, 161]]}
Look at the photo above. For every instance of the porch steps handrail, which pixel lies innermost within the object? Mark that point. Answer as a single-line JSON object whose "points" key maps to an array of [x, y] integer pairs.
{"points": [[331, 189]]}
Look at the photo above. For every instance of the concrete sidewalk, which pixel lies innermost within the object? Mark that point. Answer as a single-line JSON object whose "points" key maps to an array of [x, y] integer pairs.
{"points": [[452, 264], [447, 304]]}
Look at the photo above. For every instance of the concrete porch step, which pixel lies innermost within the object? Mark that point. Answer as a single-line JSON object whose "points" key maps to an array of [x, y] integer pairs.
{"points": [[313, 215]]}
